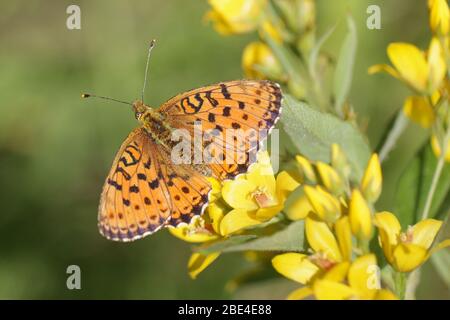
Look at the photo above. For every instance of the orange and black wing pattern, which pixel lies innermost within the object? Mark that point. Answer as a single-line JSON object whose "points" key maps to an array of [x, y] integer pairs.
{"points": [[249, 107], [143, 192]]}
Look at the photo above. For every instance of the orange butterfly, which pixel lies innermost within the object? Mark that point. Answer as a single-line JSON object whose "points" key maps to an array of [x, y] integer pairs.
{"points": [[145, 190]]}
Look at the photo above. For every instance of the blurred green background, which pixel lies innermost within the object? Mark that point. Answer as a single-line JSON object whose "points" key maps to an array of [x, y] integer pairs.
{"points": [[56, 149]]}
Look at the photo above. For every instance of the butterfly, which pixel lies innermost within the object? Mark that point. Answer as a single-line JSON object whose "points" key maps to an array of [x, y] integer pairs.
{"points": [[146, 191]]}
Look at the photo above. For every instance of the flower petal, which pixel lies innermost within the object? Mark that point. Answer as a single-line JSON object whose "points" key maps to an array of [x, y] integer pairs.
{"points": [[419, 110], [194, 232], [237, 16], [285, 185], [384, 294], [389, 230], [439, 16], [436, 63], [216, 211], [216, 189], [268, 213], [360, 216], [300, 294], [339, 161], [199, 262], [410, 63], [338, 273], [256, 55], [325, 205], [408, 256], [298, 208], [295, 266], [306, 169], [331, 290], [344, 237], [238, 194], [440, 246], [236, 220], [437, 148], [363, 276], [425, 231], [372, 180], [383, 68], [321, 239], [330, 178], [261, 174]]}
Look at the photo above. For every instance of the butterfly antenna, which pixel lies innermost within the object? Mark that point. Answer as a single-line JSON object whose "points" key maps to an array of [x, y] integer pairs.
{"points": [[152, 44], [88, 95]]}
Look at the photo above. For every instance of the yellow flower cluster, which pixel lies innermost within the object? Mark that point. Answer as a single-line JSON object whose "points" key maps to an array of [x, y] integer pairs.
{"points": [[290, 21], [249, 200], [339, 223], [426, 73]]}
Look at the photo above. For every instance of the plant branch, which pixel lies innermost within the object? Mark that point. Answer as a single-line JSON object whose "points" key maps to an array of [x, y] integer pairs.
{"points": [[393, 135], [436, 176]]}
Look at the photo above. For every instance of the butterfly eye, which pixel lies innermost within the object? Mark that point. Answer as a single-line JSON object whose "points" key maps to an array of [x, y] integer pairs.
{"points": [[138, 115]]}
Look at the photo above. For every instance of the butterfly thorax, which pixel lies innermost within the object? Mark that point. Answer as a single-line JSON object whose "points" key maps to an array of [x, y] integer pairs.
{"points": [[155, 124], [160, 130]]}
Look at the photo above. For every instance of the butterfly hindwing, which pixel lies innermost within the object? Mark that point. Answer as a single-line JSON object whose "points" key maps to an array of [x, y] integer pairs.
{"points": [[132, 205], [144, 191], [188, 189]]}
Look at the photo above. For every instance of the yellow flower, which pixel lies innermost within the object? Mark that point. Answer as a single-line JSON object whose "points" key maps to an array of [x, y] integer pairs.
{"points": [[268, 29], [363, 283], [423, 74], [408, 250], [360, 216], [419, 110], [199, 262], [197, 231], [437, 148], [204, 228], [299, 208], [330, 178], [339, 161], [327, 253], [259, 62], [358, 280], [256, 196], [236, 16], [439, 16], [372, 180], [306, 169], [325, 205], [436, 64]]}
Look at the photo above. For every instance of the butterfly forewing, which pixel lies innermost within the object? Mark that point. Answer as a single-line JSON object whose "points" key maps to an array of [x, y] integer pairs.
{"points": [[229, 109]]}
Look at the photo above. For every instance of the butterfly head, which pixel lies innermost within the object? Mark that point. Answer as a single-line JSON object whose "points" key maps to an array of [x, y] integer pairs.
{"points": [[139, 109]]}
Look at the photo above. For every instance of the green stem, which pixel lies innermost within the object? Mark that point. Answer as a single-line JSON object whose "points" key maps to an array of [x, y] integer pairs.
{"points": [[393, 135], [411, 285], [400, 284], [436, 176]]}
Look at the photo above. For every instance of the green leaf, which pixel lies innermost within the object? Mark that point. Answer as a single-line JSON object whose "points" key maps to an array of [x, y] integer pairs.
{"points": [[290, 238], [406, 198], [224, 244], [313, 132], [312, 61], [414, 184], [344, 67], [291, 64], [429, 165]]}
